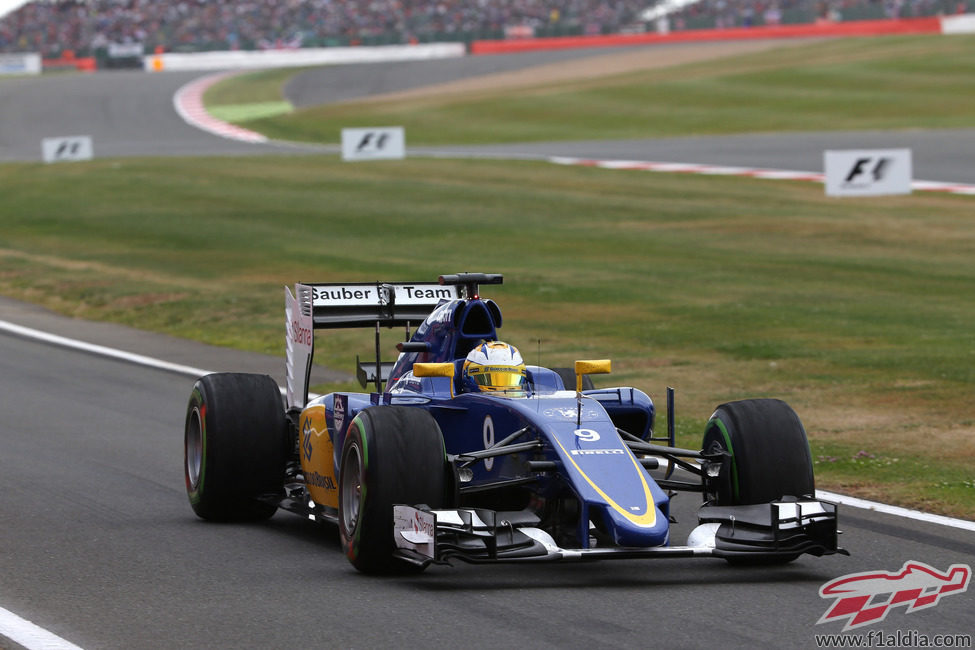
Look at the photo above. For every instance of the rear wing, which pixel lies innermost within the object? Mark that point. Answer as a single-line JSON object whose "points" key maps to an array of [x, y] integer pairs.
{"points": [[352, 305]]}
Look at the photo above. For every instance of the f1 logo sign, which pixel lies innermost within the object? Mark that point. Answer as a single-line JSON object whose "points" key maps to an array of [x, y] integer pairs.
{"points": [[372, 140], [867, 173], [388, 142], [66, 149], [861, 165]]}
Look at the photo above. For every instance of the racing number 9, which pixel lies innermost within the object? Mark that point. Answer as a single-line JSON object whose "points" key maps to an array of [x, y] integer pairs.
{"points": [[488, 434], [587, 435]]}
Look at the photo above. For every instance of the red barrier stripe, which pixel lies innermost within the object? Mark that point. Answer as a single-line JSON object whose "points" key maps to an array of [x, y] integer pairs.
{"points": [[85, 64], [922, 25]]}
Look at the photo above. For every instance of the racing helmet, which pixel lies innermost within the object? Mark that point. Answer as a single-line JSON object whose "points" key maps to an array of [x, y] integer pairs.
{"points": [[494, 366]]}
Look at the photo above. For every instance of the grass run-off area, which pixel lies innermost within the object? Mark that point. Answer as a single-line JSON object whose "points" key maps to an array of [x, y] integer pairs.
{"points": [[857, 312], [898, 82]]}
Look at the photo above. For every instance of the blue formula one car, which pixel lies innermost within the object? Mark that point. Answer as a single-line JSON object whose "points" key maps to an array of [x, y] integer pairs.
{"points": [[465, 452]]}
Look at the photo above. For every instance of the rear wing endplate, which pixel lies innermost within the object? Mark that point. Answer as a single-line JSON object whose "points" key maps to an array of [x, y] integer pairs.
{"points": [[349, 305]]}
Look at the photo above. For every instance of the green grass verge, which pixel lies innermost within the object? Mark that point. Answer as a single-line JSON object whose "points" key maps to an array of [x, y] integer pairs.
{"points": [[246, 88], [857, 312], [898, 82], [254, 110], [252, 96]]}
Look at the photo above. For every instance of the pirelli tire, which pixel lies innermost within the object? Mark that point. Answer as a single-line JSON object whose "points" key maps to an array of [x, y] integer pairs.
{"points": [[768, 458], [234, 446], [768, 453], [391, 455]]}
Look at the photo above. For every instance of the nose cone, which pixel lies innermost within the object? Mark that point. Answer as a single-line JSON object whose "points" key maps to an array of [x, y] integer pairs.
{"points": [[616, 489]]}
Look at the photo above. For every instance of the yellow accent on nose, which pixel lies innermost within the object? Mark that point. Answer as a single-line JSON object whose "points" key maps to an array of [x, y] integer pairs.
{"points": [[647, 519]]}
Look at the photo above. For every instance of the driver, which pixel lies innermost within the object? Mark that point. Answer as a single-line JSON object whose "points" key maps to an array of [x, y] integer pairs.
{"points": [[494, 366]]}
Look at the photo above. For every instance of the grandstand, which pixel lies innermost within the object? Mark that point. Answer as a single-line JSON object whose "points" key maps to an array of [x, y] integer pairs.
{"points": [[92, 27], [84, 26]]}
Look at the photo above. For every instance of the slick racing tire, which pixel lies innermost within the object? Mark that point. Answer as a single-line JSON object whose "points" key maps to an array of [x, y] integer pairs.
{"points": [[391, 455], [769, 455], [568, 376], [234, 446], [769, 458]]}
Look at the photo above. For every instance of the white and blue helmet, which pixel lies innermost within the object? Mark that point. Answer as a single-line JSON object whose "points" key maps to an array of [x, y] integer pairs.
{"points": [[494, 366]]}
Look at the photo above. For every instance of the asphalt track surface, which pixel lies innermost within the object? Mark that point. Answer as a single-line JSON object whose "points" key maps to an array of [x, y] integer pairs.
{"points": [[99, 546]]}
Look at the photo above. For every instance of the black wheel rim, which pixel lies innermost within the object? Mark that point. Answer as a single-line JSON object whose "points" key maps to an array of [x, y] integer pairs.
{"points": [[194, 448]]}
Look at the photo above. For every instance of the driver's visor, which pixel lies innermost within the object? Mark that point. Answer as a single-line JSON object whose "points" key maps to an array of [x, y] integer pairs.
{"points": [[498, 377]]}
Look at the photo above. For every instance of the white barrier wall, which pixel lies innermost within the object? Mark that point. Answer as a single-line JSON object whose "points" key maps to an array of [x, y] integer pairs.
{"points": [[962, 24], [27, 63], [240, 59]]}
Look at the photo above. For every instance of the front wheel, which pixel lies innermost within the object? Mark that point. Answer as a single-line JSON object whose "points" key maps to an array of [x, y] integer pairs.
{"points": [[768, 454], [768, 458], [391, 455]]}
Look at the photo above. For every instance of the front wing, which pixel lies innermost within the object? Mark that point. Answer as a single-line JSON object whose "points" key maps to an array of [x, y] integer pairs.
{"points": [[779, 530]]}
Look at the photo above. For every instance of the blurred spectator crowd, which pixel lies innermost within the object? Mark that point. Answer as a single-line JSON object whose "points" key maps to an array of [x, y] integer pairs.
{"points": [[706, 14], [83, 26], [50, 26]]}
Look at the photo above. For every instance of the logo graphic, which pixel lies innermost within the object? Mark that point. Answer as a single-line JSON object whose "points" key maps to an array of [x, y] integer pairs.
{"points": [[339, 408], [866, 598], [862, 167], [567, 413], [306, 445], [68, 148], [372, 140]]}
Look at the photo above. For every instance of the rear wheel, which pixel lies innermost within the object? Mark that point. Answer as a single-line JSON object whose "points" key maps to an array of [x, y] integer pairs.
{"points": [[391, 455], [769, 457], [234, 446]]}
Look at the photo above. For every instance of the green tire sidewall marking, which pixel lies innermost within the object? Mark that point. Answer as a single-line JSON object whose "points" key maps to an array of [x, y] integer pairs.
{"points": [[364, 461], [734, 464], [196, 492]]}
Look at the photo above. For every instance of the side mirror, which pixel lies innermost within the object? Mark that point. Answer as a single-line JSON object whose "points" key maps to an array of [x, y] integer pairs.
{"points": [[435, 370], [591, 367]]}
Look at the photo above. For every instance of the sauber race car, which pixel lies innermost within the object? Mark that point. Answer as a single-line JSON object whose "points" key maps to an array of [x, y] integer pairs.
{"points": [[464, 452]]}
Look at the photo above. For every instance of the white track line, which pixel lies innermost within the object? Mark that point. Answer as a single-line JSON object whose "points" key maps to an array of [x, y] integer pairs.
{"points": [[30, 636], [100, 350], [897, 511], [716, 170]]}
